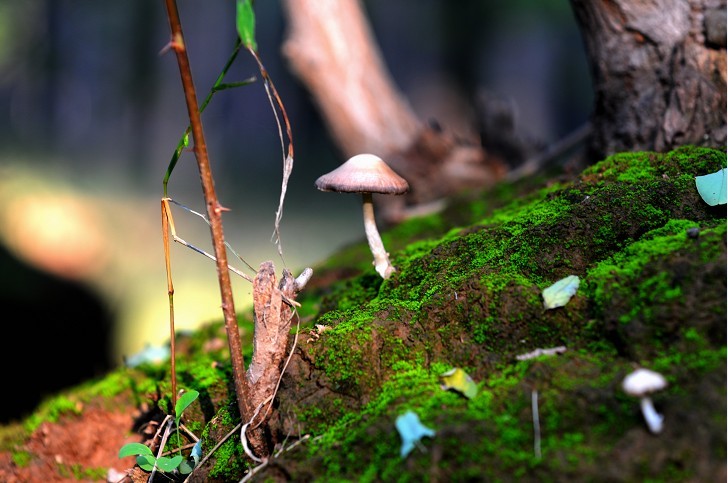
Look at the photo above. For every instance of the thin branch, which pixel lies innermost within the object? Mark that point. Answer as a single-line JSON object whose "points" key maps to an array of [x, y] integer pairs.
{"points": [[536, 424], [272, 93], [214, 210]]}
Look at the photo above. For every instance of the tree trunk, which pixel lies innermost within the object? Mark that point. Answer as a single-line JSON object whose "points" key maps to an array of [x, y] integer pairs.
{"points": [[332, 51], [273, 318], [659, 73]]}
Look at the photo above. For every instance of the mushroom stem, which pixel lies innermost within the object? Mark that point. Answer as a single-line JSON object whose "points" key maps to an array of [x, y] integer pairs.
{"points": [[652, 417], [381, 257]]}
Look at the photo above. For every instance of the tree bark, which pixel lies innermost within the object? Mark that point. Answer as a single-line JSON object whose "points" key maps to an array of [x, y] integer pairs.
{"points": [[659, 73], [331, 49]]}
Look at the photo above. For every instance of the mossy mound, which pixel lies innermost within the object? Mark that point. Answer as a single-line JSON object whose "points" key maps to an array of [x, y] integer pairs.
{"points": [[651, 258]]}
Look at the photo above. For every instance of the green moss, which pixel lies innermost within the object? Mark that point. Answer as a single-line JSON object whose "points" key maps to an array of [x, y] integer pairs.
{"points": [[52, 409], [468, 295], [634, 277], [229, 459], [21, 458], [490, 427], [78, 472]]}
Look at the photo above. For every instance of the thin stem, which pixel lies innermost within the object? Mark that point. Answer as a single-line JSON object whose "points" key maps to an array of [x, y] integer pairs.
{"points": [[214, 210], [381, 257], [215, 88], [536, 425], [652, 417], [166, 221]]}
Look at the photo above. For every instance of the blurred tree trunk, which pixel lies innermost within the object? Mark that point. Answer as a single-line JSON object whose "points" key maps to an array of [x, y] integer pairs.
{"points": [[332, 51], [659, 73]]}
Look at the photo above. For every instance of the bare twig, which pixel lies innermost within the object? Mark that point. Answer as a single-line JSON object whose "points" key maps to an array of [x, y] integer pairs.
{"points": [[214, 210], [212, 451], [536, 425], [275, 100], [264, 464], [165, 435], [552, 351]]}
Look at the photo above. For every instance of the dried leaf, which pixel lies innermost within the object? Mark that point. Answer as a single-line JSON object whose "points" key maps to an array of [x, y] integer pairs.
{"points": [[459, 380]]}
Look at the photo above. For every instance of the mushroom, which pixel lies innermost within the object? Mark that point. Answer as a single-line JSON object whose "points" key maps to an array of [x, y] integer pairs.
{"points": [[367, 174], [642, 383]]}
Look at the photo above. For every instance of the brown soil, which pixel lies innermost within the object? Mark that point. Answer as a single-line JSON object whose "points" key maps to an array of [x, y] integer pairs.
{"points": [[91, 439]]}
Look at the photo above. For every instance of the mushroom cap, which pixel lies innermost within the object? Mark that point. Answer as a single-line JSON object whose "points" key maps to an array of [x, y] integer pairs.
{"points": [[642, 382], [363, 173]]}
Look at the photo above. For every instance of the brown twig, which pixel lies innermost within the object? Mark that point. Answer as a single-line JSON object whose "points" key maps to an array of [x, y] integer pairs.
{"points": [[214, 209]]}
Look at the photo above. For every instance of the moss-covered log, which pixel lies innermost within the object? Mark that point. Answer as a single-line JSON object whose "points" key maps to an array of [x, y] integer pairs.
{"points": [[650, 255]]}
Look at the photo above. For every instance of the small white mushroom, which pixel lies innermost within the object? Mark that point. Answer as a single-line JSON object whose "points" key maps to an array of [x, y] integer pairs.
{"points": [[642, 383], [367, 174]]}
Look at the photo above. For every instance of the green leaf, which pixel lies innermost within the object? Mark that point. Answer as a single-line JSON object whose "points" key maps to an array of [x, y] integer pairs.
{"points": [[183, 403], [186, 467], [133, 449], [411, 431], [169, 464], [245, 23], [459, 380], [146, 462], [712, 187], [559, 294]]}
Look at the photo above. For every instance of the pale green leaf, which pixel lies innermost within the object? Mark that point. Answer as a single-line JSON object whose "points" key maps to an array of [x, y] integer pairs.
{"points": [[559, 294], [712, 187]]}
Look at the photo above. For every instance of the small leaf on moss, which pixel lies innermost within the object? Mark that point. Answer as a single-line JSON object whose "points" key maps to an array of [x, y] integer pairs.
{"points": [[459, 380], [712, 187], [411, 430], [559, 294]]}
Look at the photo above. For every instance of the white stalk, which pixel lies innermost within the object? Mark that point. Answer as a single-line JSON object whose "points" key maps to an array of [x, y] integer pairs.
{"points": [[652, 417], [381, 257]]}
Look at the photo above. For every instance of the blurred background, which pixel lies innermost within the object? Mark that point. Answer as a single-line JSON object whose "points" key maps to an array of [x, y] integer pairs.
{"points": [[91, 111]]}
